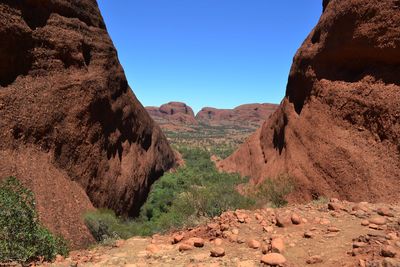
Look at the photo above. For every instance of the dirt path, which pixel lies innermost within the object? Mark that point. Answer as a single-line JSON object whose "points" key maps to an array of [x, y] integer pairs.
{"points": [[326, 234]]}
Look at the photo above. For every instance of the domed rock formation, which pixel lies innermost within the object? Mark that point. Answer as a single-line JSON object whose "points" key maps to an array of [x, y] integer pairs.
{"points": [[248, 114], [337, 131], [173, 112], [174, 115], [71, 129]]}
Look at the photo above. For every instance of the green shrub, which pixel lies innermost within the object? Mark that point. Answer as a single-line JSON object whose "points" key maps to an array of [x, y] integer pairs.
{"points": [[194, 191], [321, 200], [22, 238], [275, 190], [181, 198], [106, 227]]}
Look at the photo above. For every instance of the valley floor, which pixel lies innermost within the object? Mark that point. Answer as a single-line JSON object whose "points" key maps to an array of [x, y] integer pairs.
{"points": [[337, 233]]}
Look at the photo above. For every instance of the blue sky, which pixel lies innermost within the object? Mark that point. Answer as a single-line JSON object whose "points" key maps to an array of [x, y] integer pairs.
{"points": [[218, 53]]}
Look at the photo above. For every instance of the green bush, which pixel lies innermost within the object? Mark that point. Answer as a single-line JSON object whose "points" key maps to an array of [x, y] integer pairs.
{"points": [[22, 238], [189, 196], [275, 190], [181, 198], [194, 191]]}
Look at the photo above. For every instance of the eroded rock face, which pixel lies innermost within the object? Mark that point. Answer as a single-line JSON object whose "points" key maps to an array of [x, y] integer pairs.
{"points": [[337, 131], [248, 114], [65, 105], [179, 114], [173, 112]]}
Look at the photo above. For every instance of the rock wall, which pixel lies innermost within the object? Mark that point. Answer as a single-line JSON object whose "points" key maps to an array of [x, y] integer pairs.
{"points": [[173, 112], [248, 114], [71, 128], [337, 131]]}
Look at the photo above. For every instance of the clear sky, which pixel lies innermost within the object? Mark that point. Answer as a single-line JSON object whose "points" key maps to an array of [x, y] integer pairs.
{"points": [[218, 53]]}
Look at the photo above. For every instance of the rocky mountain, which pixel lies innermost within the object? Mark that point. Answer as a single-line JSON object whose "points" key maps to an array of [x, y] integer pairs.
{"points": [[244, 114], [337, 131], [71, 129], [178, 113], [173, 112]]}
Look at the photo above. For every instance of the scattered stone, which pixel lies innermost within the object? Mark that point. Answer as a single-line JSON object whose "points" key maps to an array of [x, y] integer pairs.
{"points": [[314, 259], [364, 222], [268, 229], [308, 234], [375, 227], [390, 262], [360, 214], [240, 217], [264, 249], [283, 220], [378, 220], [217, 252], [392, 236], [254, 244], [388, 251], [233, 238], [357, 251], [360, 207], [277, 245], [384, 211], [274, 259], [224, 227], [235, 231], [241, 240], [212, 226], [176, 238], [198, 242], [218, 242], [185, 247], [359, 244], [336, 206], [296, 219], [258, 217], [333, 229]]}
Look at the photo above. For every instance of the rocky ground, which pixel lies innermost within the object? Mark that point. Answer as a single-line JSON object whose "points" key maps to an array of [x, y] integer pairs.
{"points": [[334, 233]]}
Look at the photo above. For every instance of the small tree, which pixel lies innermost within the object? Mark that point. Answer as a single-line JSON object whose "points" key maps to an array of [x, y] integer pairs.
{"points": [[22, 238], [275, 190]]}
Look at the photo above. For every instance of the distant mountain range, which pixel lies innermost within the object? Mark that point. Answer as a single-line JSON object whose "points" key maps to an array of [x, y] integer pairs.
{"points": [[180, 114]]}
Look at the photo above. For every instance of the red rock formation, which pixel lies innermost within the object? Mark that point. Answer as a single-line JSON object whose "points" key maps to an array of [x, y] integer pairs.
{"points": [[337, 131], [71, 129], [173, 113], [249, 114], [176, 114]]}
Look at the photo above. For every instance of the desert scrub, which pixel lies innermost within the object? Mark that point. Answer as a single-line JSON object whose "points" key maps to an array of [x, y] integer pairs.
{"points": [[22, 237], [106, 227], [195, 190], [274, 191], [186, 197]]}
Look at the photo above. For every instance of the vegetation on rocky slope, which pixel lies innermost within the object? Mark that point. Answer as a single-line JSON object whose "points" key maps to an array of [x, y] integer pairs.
{"points": [[190, 195], [185, 197], [22, 237]]}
